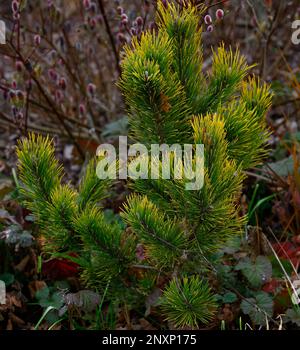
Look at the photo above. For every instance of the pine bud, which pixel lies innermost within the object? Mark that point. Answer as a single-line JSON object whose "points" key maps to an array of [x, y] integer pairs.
{"points": [[219, 14], [82, 109], [20, 99], [210, 28], [207, 19], [91, 89], [20, 95], [15, 6], [121, 37], [19, 66], [12, 95], [52, 74], [139, 21], [93, 8], [133, 31], [37, 40], [165, 3], [59, 95], [63, 83], [152, 26], [93, 23], [20, 115], [52, 56], [87, 4]]}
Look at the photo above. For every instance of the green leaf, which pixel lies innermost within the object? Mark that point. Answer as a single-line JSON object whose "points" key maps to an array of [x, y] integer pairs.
{"points": [[259, 308], [283, 167], [256, 273], [7, 278], [229, 298], [116, 128], [232, 245], [42, 294], [55, 300], [277, 269]]}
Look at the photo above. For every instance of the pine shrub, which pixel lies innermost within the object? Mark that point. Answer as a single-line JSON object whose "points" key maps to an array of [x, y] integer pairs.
{"points": [[170, 100]]}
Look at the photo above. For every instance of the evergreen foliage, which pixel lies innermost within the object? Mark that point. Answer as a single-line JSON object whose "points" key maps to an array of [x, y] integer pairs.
{"points": [[170, 100], [193, 299]]}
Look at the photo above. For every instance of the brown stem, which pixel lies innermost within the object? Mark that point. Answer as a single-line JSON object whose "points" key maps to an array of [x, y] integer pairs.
{"points": [[80, 82], [110, 35], [7, 122], [27, 109]]}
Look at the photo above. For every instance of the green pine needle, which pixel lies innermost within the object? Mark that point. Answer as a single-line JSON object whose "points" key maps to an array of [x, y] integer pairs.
{"points": [[188, 302]]}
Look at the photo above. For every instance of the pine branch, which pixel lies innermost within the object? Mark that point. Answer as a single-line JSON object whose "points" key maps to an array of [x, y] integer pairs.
{"points": [[38, 168], [185, 37], [228, 71], [104, 243], [188, 302], [155, 99], [165, 241], [92, 189]]}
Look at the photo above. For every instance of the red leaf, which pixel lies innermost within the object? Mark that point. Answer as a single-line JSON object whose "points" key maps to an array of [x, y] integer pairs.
{"points": [[283, 250], [58, 269], [271, 286], [288, 251]]}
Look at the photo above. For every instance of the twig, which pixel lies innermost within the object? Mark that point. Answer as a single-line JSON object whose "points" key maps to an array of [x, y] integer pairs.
{"points": [[27, 108], [110, 35], [71, 120], [28, 67], [260, 177]]}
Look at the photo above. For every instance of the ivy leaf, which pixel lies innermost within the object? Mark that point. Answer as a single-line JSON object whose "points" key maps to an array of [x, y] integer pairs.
{"points": [[256, 273], [258, 308]]}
